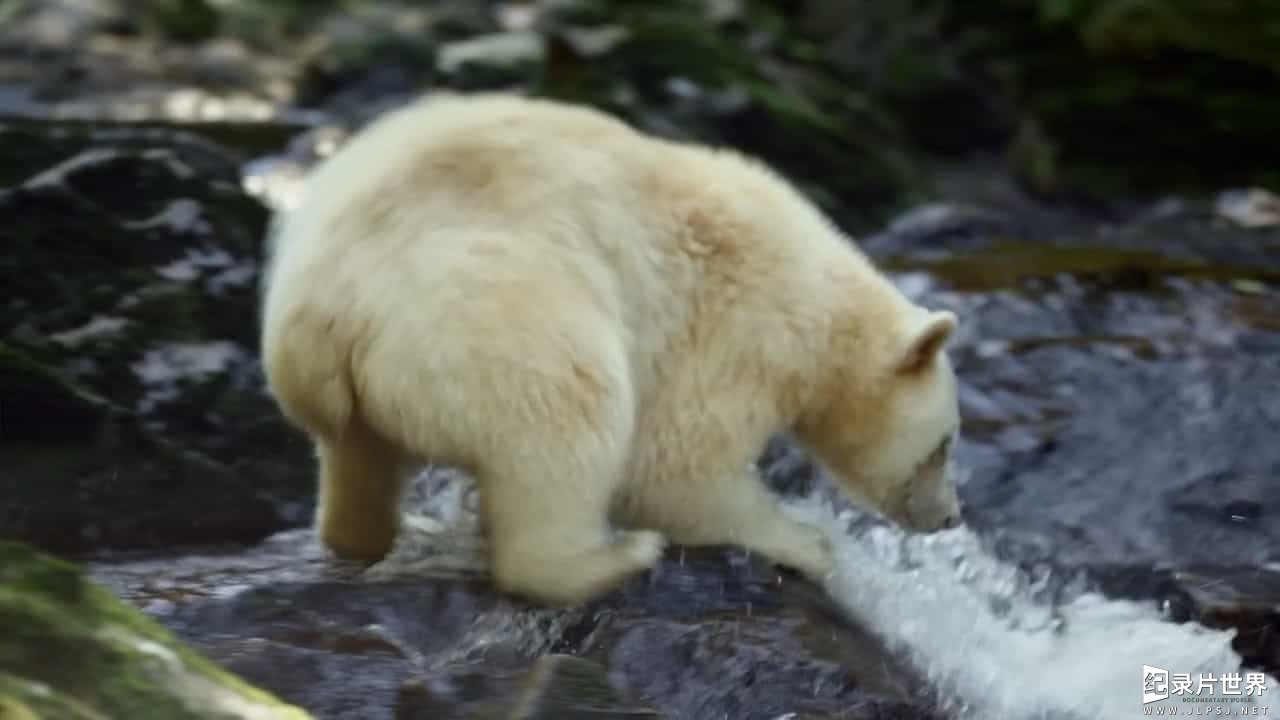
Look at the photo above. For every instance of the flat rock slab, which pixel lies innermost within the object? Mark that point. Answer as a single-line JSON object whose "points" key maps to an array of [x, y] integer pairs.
{"points": [[556, 687], [710, 634]]}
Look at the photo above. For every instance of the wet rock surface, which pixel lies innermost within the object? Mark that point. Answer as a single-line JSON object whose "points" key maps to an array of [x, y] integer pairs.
{"points": [[711, 633], [555, 686], [1118, 381], [1220, 596]]}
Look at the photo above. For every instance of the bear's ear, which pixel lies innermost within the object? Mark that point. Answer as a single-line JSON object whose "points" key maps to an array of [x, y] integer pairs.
{"points": [[927, 341]]}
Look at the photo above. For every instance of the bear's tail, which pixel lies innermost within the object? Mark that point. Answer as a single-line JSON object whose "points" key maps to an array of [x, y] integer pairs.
{"points": [[308, 371]]}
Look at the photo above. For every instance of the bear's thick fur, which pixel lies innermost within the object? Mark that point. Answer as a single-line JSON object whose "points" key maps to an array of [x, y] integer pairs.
{"points": [[604, 328]]}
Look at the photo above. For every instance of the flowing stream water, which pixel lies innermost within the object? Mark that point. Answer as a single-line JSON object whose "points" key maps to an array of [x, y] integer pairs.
{"points": [[994, 646]]}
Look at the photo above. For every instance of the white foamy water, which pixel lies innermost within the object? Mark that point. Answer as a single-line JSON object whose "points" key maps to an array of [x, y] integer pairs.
{"points": [[974, 627], [978, 629]]}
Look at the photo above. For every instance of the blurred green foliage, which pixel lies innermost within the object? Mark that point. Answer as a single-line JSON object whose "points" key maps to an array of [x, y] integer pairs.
{"points": [[1116, 94], [1101, 95]]}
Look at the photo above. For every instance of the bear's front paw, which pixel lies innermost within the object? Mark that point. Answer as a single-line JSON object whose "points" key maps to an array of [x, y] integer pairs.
{"points": [[644, 546], [827, 556], [809, 552]]}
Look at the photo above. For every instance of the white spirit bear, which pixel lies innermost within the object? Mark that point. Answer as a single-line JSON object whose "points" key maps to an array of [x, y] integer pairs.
{"points": [[604, 328]]}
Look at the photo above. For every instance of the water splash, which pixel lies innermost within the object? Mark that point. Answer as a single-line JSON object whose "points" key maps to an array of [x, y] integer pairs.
{"points": [[996, 642]]}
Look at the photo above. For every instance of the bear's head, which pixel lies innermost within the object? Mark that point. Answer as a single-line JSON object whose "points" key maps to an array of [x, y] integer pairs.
{"points": [[889, 421]]}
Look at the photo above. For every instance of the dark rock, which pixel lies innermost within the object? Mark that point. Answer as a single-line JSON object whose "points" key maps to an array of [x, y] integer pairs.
{"points": [[459, 695], [556, 687], [1239, 597], [134, 413], [1114, 381], [710, 633], [562, 686], [941, 229]]}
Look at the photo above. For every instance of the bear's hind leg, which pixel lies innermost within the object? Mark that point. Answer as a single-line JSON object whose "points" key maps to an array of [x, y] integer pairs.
{"points": [[361, 481], [548, 532], [543, 559]]}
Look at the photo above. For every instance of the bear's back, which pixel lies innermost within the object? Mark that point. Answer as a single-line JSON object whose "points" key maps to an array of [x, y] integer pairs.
{"points": [[472, 195], [474, 160]]}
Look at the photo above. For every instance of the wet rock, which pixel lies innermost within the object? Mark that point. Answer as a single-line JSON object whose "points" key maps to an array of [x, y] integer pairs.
{"points": [[134, 412], [555, 687], [1254, 207], [1225, 595], [943, 229], [1115, 385], [71, 650], [710, 633], [562, 686], [1240, 597]]}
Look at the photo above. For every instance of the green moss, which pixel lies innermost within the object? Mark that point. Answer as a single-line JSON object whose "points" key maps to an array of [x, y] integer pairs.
{"points": [[183, 20], [93, 651], [1127, 94], [1035, 157], [1246, 31], [24, 700]]}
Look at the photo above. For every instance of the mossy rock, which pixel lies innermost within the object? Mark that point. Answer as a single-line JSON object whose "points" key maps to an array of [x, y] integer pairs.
{"points": [[70, 650], [1095, 97], [181, 20]]}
